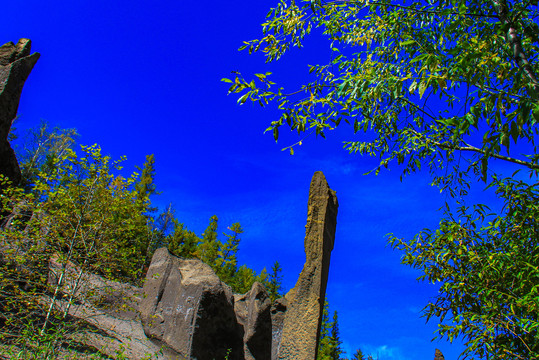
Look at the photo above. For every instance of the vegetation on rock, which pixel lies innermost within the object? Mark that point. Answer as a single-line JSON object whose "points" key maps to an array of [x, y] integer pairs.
{"points": [[76, 206]]}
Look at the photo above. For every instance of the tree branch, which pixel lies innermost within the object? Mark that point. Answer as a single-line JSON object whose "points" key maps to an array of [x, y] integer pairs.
{"points": [[471, 148], [519, 56], [410, 8]]}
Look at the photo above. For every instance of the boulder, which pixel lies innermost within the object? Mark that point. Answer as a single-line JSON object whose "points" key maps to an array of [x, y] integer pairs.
{"points": [[187, 308], [16, 63], [301, 328]]}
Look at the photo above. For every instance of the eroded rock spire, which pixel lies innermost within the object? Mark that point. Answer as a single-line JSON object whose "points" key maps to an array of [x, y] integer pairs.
{"points": [[305, 302]]}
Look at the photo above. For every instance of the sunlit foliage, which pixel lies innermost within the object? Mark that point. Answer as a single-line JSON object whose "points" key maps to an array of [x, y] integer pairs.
{"points": [[448, 87]]}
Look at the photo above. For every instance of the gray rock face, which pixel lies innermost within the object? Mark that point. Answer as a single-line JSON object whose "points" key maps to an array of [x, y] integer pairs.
{"points": [[301, 328], [16, 63], [108, 306], [189, 309], [278, 313], [253, 313]]}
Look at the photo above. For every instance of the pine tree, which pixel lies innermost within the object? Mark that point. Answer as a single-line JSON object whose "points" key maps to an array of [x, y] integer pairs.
{"points": [[163, 225], [324, 349], [358, 355], [182, 242], [335, 340], [226, 263], [243, 280], [329, 343], [274, 283], [146, 187], [208, 249]]}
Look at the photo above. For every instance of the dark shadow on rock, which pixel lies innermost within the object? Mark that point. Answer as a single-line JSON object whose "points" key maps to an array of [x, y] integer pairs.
{"points": [[217, 334]]}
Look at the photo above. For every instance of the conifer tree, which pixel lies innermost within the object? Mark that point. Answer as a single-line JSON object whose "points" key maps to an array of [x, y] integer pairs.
{"points": [[329, 344], [243, 280], [226, 263], [145, 186], [159, 229], [208, 248], [335, 340], [358, 355], [163, 226], [182, 242], [324, 349], [274, 284]]}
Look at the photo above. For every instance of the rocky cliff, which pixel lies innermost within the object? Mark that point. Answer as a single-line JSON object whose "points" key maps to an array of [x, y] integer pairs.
{"points": [[185, 312]]}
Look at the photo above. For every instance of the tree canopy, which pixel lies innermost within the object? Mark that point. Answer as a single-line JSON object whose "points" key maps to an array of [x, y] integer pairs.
{"points": [[448, 87]]}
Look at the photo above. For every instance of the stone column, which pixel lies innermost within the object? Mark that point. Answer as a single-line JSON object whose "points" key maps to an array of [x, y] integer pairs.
{"points": [[301, 328]]}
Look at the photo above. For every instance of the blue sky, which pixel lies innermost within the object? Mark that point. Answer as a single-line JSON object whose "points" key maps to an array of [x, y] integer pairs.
{"points": [[140, 77]]}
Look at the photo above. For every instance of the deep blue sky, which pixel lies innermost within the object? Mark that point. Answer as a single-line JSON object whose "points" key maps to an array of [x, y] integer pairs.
{"points": [[140, 77]]}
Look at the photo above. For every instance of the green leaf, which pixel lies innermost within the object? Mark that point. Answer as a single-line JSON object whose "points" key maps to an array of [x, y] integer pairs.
{"points": [[407, 42], [422, 88], [419, 58], [243, 99], [484, 168], [412, 87], [514, 131]]}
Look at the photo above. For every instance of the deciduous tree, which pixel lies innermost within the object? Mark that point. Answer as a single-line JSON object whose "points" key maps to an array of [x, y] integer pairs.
{"points": [[448, 87], [84, 214], [40, 149]]}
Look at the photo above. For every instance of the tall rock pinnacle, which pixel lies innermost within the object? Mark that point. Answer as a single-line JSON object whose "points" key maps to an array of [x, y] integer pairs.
{"points": [[301, 327]]}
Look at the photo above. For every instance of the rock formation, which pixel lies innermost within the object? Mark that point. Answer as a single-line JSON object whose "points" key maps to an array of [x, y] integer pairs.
{"points": [[188, 308], [278, 313], [183, 311], [110, 309], [16, 63], [301, 327], [253, 314]]}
